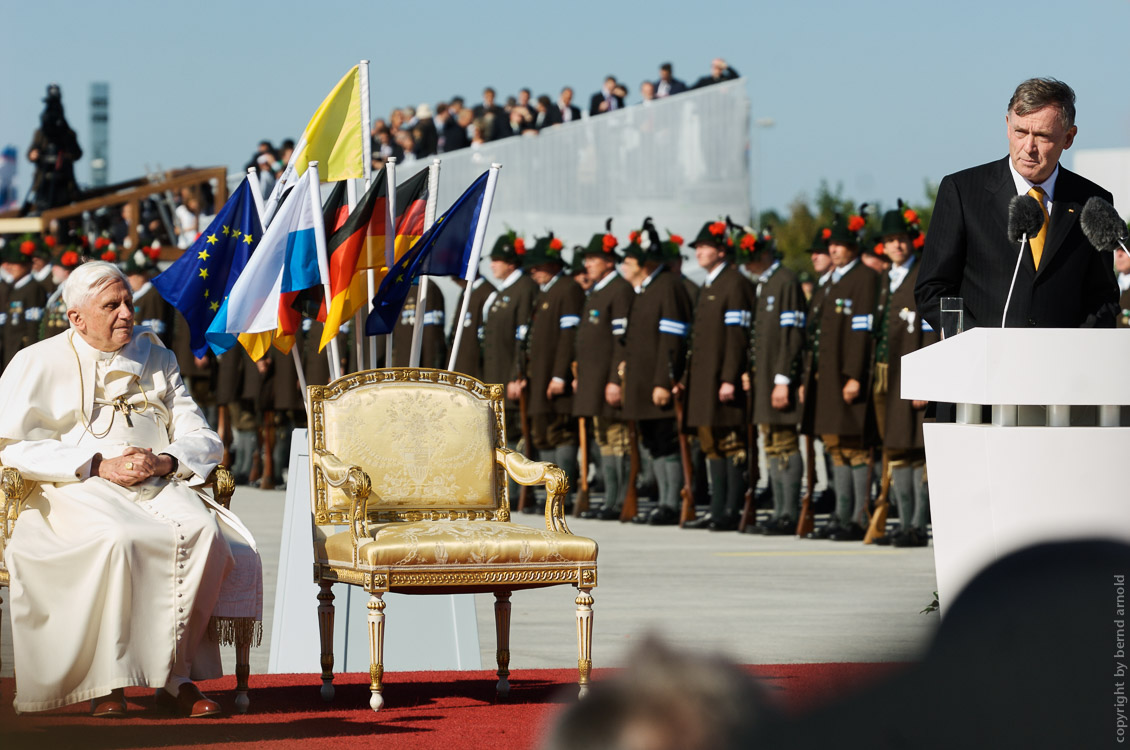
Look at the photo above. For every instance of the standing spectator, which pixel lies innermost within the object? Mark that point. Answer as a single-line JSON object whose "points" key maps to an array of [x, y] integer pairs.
{"points": [[608, 99], [54, 150], [522, 113], [668, 84], [647, 91], [547, 113], [566, 112], [720, 71], [493, 118], [266, 177], [427, 137]]}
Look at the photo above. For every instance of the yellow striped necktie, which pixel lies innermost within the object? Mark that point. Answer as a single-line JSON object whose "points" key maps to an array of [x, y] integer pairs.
{"points": [[1037, 242]]}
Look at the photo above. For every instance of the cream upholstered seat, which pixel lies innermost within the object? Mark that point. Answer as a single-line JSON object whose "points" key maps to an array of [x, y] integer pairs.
{"points": [[15, 490], [409, 495]]}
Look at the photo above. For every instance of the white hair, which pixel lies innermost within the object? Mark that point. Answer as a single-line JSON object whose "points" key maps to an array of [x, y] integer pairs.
{"points": [[88, 280]]}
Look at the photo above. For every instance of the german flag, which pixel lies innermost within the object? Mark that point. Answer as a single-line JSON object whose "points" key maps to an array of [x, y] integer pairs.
{"points": [[359, 244]]}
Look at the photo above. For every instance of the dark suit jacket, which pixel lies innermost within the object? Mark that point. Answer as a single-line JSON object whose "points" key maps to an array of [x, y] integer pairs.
{"points": [[560, 117], [597, 98], [677, 87], [968, 255]]}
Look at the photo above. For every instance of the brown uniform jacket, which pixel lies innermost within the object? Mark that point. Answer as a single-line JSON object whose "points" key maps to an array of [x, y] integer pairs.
{"points": [[906, 332], [433, 347], [23, 309], [182, 347], [778, 340], [844, 351], [1124, 310], [469, 358], [719, 350], [152, 311], [505, 324], [552, 332], [601, 345], [656, 348]]}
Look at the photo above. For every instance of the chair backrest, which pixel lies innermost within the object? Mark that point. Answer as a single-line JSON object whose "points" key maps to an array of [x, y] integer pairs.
{"points": [[426, 438]]}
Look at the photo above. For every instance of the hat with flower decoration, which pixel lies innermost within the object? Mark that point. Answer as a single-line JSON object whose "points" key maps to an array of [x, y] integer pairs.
{"points": [[716, 234], [577, 264], [819, 244], [545, 250], [848, 230], [141, 261], [644, 244], [603, 244], [509, 247], [902, 220], [21, 250]]}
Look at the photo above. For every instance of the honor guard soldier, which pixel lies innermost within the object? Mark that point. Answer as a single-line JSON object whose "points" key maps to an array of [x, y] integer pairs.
{"points": [[655, 357], [718, 355], [777, 343], [822, 268], [577, 269], [1122, 266], [469, 358], [900, 331], [149, 308], [840, 367], [433, 346], [55, 310], [41, 268], [548, 377], [599, 353], [23, 299], [505, 316]]}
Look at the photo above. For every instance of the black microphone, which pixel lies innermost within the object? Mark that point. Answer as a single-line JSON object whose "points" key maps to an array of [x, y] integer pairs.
{"points": [[1102, 225], [1025, 219]]}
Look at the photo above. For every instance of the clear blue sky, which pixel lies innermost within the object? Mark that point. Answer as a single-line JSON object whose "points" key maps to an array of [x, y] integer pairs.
{"points": [[876, 95]]}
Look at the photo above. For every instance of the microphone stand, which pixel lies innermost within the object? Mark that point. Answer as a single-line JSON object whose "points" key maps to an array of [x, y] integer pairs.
{"points": [[1015, 271]]}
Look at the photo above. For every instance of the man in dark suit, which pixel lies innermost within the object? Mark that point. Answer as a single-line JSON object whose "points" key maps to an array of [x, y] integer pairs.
{"points": [[720, 70], [668, 84], [609, 98], [566, 112], [494, 120], [1063, 282]]}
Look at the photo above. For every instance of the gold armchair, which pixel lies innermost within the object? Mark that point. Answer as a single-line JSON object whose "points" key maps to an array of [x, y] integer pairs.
{"points": [[15, 492], [409, 495]]}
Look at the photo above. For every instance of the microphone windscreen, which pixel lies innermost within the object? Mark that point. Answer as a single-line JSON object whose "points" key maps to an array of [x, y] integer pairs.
{"points": [[1101, 224], [1025, 217]]}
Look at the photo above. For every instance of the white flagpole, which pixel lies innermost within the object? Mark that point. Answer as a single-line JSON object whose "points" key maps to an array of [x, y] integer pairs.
{"points": [[473, 263], [422, 288], [253, 179], [323, 259], [367, 168], [390, 258]]}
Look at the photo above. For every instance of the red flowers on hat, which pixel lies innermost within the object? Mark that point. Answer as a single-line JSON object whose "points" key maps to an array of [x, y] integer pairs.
{"points": [[748, 241], [717, 228], [910, 215], [919, 241], [27, 247], [676, 239], [634, 237], [70, 258], [827, 233], [101, 242], [880, 249], [855, 223], [49, 240], [609, 243], [555, 245], [109, 256], [153, 253]]}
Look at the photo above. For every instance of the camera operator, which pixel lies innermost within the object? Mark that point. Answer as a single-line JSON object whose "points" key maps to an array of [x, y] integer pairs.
{"points": [[54, 150]]}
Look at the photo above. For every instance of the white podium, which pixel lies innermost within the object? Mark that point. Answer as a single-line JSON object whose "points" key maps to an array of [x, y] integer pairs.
{"points": [[1051, 465]]}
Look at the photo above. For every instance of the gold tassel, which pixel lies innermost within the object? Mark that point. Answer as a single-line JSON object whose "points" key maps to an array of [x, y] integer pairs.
{"points": [[227, 631]]}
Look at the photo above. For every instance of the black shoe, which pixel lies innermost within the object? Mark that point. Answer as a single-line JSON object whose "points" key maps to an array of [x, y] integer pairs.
{"points": [[853, 533], [910, 538], [591, 513], [885, 540], [725, 523], [778, 527], [662, 517], [702, 522], [825, 531], [609, 514]]}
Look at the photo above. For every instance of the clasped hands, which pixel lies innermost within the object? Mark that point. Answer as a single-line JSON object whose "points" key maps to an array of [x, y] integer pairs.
{"points": [[134, 466]]}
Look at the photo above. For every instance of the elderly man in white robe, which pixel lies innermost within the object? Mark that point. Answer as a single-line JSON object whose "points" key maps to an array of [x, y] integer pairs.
{"points": [[123, 571]]}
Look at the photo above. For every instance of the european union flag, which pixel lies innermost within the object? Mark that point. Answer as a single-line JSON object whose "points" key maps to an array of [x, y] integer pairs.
{"points": [[443, 250], [199, 281]]}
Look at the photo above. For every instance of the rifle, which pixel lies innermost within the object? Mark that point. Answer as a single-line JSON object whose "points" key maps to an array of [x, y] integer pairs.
{"points": [[749, 509], [687, 492], [582, 503], [631, 498], [878, 526], [223, 428], [807, 521]]}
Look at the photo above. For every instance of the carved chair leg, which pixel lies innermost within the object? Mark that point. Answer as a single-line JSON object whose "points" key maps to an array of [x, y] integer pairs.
{"points": [[326, 631], [376, 650], [584, 639], [502, 635], [242, 672]]}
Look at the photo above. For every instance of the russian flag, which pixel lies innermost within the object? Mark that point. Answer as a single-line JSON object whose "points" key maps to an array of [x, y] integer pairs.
{"points": [[285, 261]]}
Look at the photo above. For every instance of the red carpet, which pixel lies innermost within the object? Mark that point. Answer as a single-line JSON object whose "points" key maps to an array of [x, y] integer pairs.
{"points": [[424, 710]]}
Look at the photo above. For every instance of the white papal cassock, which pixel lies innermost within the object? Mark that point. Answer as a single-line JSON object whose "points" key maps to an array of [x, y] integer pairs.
{"points": [[116, 586]]}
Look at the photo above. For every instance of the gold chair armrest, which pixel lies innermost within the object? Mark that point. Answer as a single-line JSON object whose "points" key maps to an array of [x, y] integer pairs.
{"points": [[223, 485], [358, 488], [524, 471], [14, 490]]}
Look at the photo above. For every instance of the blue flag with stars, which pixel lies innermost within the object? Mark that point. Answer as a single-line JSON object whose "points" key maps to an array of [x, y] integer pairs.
{"points": [[198, 282], [443, 250]]}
